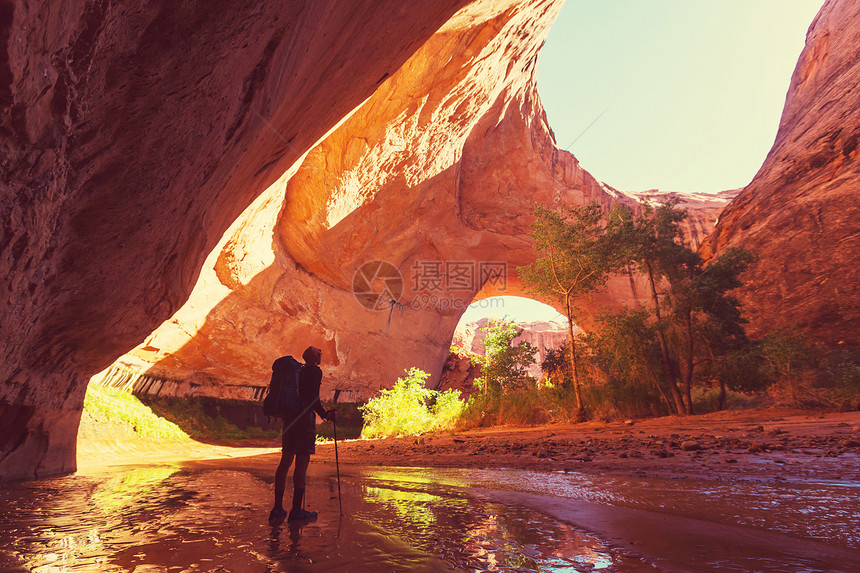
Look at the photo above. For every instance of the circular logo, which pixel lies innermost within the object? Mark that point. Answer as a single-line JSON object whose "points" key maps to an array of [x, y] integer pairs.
{"points": [[377, 284]]}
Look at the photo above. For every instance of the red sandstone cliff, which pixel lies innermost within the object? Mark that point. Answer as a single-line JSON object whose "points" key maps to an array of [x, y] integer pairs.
{"points": [[262, 155], [801, 212], [440, 166], [131, 137]]}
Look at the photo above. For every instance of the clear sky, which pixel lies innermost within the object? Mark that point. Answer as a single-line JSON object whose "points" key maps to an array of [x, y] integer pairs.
{"points": [[690, 91]]}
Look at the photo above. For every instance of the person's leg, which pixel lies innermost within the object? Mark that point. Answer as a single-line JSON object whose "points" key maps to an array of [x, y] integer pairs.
{"points": [[299, 475], [281, 478]]}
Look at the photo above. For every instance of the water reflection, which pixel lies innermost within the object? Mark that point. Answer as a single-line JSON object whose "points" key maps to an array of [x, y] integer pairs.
{"points": [[829, 511], [207, 516], [72, 523], [490, 536], [212, 516]]}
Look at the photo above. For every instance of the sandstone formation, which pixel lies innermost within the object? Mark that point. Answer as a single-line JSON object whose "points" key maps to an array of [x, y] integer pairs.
{"points": [[229, 175], [435, 173], [459, 374], [542, 335], [132, 137], [801, 212]]}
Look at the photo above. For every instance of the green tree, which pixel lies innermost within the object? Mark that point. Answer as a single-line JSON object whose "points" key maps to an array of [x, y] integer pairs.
{"points": [[576, 253], [556, 364], [786, 355], [706, 315], [696, 318], [504, 367], [624, 349], [652, 243]]}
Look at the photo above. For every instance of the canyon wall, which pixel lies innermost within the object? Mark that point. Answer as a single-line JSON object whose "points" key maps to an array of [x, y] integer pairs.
{"points": [[199, 191], [131, 137], [801, 212]]}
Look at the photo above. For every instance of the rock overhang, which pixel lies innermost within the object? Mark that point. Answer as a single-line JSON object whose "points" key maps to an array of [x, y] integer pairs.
{"points": [[106, 233]]}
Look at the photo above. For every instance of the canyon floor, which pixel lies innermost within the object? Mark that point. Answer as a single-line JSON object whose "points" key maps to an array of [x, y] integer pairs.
{"points": [[763, 444], [766, 444]]}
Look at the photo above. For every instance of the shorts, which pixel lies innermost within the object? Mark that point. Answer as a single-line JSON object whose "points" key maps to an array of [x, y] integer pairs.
{"points": [[299, 441]]}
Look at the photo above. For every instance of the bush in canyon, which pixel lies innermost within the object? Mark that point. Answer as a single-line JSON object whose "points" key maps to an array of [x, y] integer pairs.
{"points": [[620, 362], [504, 366], [801, 373], [507, 394], [540, 405], [623, 365], [409, 408], [840, 378]]}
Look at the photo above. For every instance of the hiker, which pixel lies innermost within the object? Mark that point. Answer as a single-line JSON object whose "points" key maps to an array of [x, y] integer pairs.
{"points": [[298, 437]]}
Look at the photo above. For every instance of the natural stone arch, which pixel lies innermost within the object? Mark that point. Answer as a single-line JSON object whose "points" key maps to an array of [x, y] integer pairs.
{"points": [[143, 136], [492, 158], [452, 129], [625, 290], [287, 265]]}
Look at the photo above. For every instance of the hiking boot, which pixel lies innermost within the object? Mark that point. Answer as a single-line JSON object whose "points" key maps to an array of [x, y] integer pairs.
{"points": [[302, 515], [277, 515]]}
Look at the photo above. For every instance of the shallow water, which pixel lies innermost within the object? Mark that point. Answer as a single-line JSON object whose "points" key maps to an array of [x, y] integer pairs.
{"points": [[826, 511], [211, 515]]}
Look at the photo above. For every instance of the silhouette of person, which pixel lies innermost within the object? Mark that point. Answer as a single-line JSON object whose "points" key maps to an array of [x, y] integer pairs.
{"points": [[298, 438]]}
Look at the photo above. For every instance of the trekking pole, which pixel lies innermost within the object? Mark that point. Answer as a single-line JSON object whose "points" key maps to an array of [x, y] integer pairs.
{"points": [[336, 461]]}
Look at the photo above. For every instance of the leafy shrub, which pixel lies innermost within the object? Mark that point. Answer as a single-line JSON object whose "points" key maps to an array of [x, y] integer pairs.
{"points": [[623, 397], [504, 367], [840, 373], [409, 408], [522, 407], [708, 400], [622, 368]]}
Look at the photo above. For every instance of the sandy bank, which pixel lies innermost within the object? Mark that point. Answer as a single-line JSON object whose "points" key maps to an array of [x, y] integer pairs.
{"points": [[770, 444], [774, 444], [106, 444]]}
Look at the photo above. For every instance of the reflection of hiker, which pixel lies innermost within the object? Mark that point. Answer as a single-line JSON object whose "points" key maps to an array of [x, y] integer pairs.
{"points": [[299, 436]]}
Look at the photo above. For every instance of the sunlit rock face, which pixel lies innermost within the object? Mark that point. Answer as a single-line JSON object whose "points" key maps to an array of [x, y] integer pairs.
{"points": [[259, 155], [459, 374], [801, 212], [439, 167], [132, 136]]}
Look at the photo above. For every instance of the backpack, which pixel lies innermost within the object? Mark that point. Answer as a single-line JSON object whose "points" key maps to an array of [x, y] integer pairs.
{"points": [[282, 397]]}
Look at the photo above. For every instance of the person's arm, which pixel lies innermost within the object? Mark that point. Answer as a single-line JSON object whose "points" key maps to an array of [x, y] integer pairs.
{"points": [[315, 379]]}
